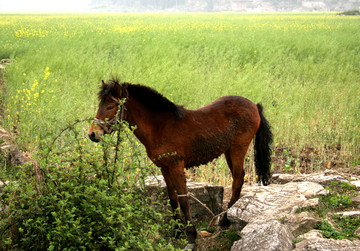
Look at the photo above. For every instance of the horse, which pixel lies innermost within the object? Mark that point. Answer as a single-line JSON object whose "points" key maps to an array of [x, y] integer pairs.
{"points": [[176, 138]]}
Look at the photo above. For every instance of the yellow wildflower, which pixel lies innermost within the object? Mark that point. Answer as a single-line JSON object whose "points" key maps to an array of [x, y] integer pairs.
{"points": [[47, 73], [36, 83]]}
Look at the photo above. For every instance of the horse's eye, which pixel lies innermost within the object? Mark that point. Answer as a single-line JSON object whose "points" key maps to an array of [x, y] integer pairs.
{"points": [[110, 108]]}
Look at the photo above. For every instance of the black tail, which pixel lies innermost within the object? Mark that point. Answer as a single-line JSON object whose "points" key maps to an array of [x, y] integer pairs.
{"points": [[263, 141]]}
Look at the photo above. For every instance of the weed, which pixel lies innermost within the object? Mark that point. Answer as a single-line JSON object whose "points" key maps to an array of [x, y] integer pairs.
{"points": [[223, 241], [203, 225], [232, 235], [289, 159], [342, 228], [284, 218], [338, 198], [296, 240]]}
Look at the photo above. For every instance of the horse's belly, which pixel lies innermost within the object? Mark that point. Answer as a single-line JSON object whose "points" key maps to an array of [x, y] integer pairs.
{"points": [[204, 149]]}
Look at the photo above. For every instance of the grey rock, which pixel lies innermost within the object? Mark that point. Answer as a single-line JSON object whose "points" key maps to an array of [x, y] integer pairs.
{"points": [[269, 236], [10, 149], [357, 231], [311, 235], [273, 202], [355, 183], [4, 183], [356, 200], [301, 223], [267, 218], [322, 244], [324, 178], [351, 214]]}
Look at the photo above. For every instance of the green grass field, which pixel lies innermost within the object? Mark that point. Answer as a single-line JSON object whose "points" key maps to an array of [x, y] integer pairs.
{"points": [[304, 69]]}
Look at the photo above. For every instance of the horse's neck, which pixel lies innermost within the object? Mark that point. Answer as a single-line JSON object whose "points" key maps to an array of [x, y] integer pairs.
{"points": [[143, 119]]}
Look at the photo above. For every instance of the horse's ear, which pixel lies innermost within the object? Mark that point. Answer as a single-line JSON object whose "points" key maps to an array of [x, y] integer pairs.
{"points": [[102, 83], [124, 92]]}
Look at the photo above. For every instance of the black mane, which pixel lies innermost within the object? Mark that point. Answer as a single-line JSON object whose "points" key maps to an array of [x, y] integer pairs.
{"points": [[145, 95]]}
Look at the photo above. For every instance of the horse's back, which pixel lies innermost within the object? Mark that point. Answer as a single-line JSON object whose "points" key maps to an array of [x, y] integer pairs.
{"points": [[232, 107], [234, 101], [213, 129]]}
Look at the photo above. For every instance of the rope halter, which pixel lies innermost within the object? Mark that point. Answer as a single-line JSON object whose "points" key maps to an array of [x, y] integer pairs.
{"points": [[107, 125]]}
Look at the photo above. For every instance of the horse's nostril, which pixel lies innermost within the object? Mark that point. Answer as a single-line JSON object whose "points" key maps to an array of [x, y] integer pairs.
{"points": [[92, 136]]}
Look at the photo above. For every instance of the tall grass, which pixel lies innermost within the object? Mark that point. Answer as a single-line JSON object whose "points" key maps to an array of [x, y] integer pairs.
{"points": [[303, 68]]}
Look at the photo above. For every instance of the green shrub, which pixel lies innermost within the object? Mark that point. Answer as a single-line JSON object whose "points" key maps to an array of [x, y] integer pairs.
{"points": [[83, 196]]}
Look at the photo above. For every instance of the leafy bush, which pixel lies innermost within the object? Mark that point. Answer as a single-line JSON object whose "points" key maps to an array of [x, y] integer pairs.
{"points": [[83, 196]]}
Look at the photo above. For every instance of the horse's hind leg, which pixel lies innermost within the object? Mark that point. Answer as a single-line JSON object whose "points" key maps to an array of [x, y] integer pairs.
{"points": [[235, 158], [228, 160]]}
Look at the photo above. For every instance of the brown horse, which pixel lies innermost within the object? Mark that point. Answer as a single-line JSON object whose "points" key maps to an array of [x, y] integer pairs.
{"points": [[176, 138]]}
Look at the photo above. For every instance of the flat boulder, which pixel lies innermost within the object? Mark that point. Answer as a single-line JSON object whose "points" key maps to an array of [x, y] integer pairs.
{"points": [[270, 235], [324, 178], [322, 244], [267, 218], [276, 201]]}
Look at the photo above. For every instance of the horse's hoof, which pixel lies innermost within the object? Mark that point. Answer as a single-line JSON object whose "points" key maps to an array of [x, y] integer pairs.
{"points": [[220, 228], [224, 223], [190, 246]]}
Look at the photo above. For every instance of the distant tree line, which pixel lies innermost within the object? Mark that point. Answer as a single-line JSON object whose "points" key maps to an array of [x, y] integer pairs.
{"points": [[159, 4], [213, 5]]}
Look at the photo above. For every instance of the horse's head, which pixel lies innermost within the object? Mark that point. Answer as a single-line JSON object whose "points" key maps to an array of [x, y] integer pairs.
{"points": [[108, 113]]}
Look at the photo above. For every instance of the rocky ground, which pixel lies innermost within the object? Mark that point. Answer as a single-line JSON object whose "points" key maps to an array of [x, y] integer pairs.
{"points": [[272, 217]]}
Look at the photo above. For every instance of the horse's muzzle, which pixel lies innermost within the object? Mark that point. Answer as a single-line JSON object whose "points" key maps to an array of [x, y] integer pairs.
{"points": [[95, 132], [94, 137]]}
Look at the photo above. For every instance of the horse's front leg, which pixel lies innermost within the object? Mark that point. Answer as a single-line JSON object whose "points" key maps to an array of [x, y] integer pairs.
{"points": [[173, 201], [177, 176]]}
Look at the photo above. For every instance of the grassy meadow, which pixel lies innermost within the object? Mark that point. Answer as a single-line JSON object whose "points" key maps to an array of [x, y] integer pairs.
{"points": [[304, 69]]}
